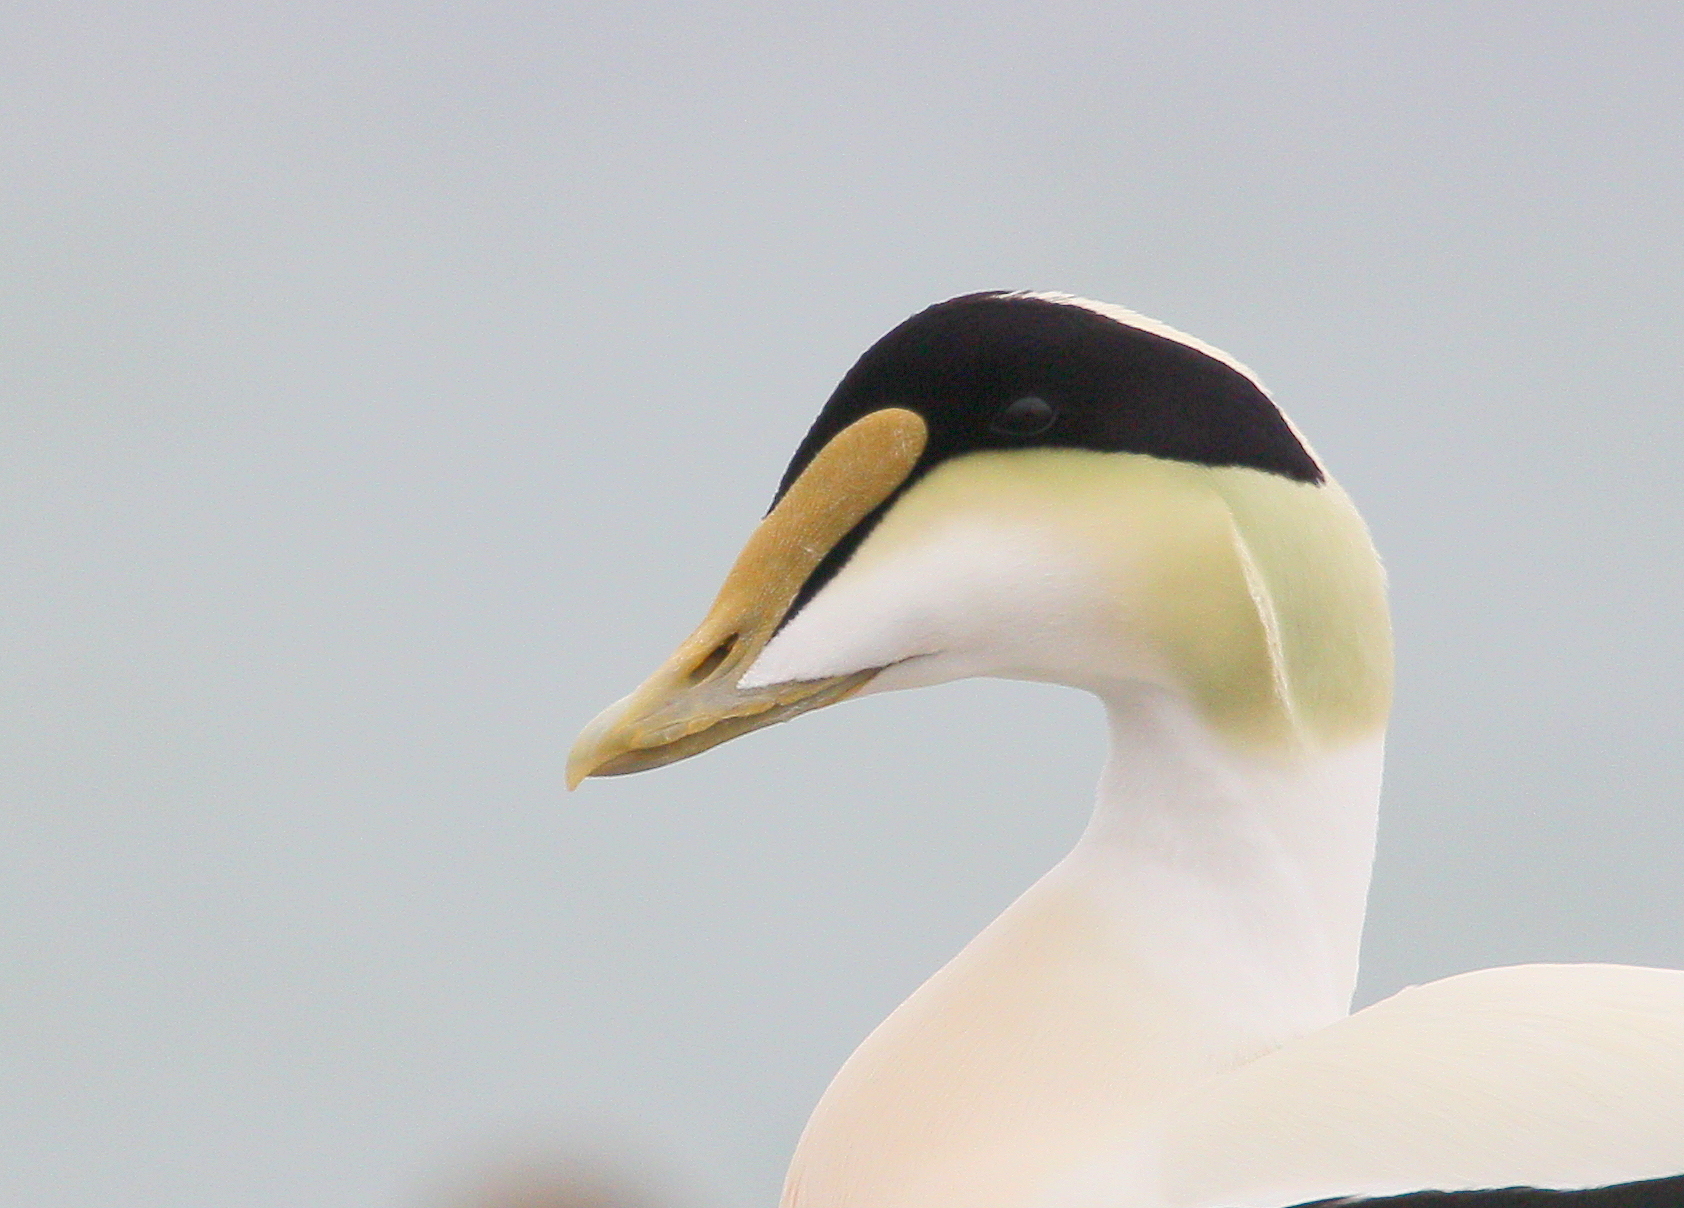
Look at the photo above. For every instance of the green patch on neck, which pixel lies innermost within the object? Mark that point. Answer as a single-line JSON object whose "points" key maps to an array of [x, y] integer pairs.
{"points": [[1321, 593]]}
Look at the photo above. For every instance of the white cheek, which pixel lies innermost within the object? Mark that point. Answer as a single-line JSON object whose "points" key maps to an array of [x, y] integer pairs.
{"points": [[968, 597]]}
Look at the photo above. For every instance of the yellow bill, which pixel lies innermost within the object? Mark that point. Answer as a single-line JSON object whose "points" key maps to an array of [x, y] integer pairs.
{"points": [[692, 702]]}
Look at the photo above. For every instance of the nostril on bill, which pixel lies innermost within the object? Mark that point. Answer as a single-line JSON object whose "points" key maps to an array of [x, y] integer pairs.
{"points": [[714, 658]]}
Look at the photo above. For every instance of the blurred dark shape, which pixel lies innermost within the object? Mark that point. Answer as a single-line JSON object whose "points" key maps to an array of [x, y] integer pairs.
{"points": [[556, 1182]]}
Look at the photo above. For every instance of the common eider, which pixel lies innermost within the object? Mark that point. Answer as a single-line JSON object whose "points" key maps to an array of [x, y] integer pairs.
{"points": [[1040, 487]]}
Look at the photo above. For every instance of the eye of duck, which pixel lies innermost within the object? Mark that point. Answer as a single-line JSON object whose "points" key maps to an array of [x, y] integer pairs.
{"points": [[1027, 416]]}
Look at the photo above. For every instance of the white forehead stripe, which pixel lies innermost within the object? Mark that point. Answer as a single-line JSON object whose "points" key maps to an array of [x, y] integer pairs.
{"points": [[1129, 318]]}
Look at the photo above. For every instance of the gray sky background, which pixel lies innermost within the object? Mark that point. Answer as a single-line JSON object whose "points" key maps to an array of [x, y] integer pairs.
{"points": [[386, 388]]}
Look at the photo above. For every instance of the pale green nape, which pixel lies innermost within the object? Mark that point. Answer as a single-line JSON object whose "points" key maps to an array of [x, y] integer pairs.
{"points": [[1324, 587], [1263, 597]]}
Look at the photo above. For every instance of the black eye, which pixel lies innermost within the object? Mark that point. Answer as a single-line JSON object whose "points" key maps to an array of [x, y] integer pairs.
{"points": [[1025, 417]]}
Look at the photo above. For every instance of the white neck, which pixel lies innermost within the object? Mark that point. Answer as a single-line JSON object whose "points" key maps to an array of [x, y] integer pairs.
{"points": [[1212, 911], [1238, 881]]}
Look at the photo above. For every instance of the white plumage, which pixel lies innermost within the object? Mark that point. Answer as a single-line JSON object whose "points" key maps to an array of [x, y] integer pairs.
{"points": [[1545, 1075], [1160, 1022]]}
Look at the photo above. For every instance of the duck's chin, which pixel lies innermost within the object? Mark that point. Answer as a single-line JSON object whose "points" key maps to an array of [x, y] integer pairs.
{"points": [[925, 671]]}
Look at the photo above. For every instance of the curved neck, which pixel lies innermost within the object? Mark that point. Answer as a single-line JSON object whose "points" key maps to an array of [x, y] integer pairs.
{"points": [[1211, 912], [1238, 878]]}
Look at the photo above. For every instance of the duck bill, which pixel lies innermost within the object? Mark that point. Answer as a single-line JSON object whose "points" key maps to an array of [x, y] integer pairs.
{"points": [[692, 702]]}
